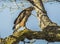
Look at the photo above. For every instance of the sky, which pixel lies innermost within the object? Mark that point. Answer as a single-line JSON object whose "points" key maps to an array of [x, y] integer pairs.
{"points": [[8, 16]]}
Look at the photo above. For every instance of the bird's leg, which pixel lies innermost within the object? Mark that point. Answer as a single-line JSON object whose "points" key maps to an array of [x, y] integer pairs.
{"points": [[21, 28]]}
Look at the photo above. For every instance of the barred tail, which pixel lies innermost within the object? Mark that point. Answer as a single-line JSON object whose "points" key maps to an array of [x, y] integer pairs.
{"points": [[13, 27]]}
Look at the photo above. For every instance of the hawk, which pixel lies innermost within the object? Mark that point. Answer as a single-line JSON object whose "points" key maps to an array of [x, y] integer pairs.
{"points": [[22, 18]]}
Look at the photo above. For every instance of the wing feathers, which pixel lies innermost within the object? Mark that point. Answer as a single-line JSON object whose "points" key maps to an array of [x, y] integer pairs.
{"points": [[20, 17]]}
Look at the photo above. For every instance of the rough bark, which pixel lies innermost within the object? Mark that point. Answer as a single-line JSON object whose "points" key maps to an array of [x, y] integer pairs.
{"points": [[15, 38], [42, 14], [46, 24], [50, 30]]}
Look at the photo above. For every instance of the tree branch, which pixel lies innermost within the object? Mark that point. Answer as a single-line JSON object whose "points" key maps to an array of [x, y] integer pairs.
{"points": [[42, 14], [51, 36]]}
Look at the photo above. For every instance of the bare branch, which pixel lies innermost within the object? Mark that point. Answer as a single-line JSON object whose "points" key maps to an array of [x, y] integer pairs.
{"points": [[42, 14]]}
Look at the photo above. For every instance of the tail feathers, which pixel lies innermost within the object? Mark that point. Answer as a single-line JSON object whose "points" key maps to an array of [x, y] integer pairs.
{"points": [[16, 27], [13, 27]]}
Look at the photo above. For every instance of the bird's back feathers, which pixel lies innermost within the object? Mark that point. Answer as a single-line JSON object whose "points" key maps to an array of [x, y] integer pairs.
{"points": [[19, 18], [23, 17]]}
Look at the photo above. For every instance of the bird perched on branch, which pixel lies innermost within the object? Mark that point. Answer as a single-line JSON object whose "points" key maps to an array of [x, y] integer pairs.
{"points": [[22, 18]]}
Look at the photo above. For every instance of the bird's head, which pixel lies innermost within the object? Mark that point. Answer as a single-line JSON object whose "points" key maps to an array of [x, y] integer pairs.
{"points": [[30, 8]]}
